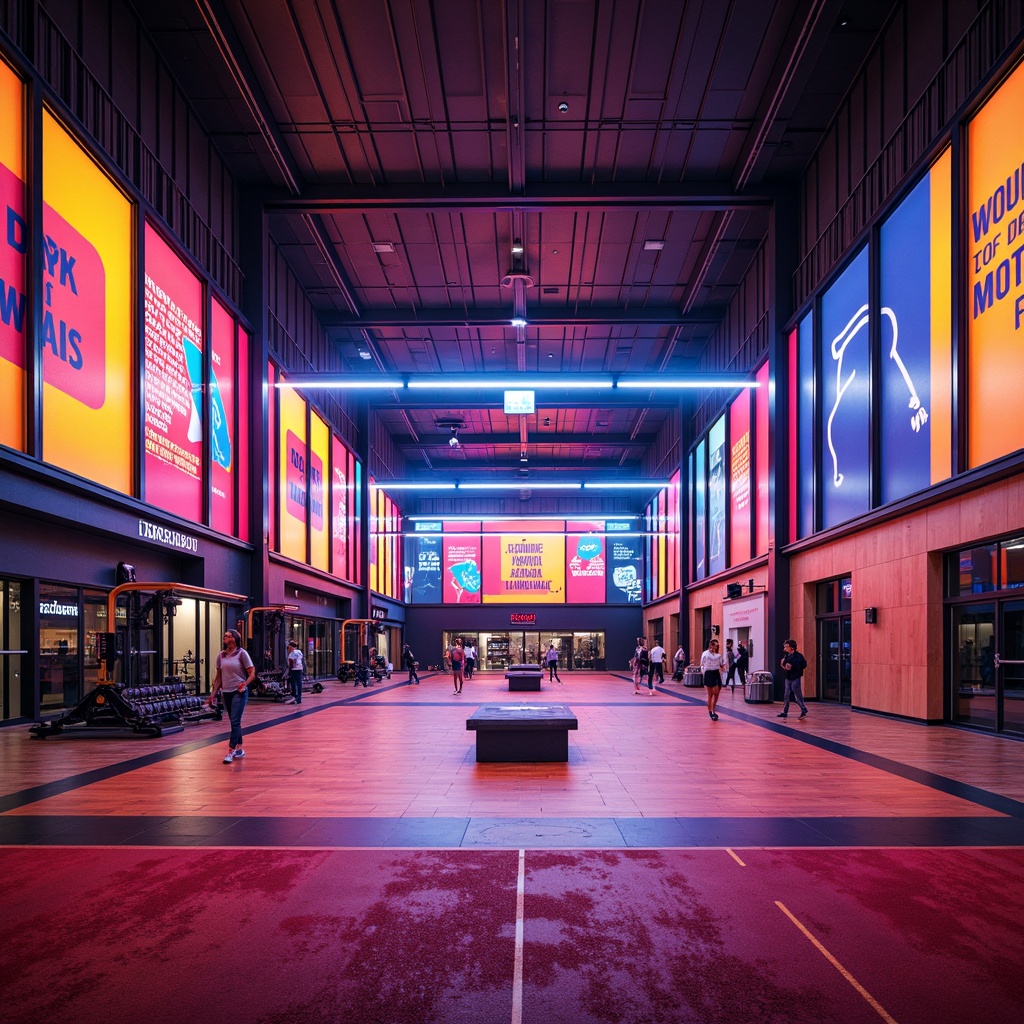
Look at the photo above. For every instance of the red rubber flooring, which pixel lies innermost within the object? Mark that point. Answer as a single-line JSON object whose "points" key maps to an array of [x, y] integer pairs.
{"points": [[413, 937]]}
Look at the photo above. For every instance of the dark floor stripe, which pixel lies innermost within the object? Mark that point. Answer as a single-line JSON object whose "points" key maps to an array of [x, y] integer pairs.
{"points": [[510, 833], [940, 783]]}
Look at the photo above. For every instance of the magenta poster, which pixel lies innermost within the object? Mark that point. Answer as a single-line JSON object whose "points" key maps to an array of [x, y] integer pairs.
{"points": [[223, 454], [462, 576], [173, 382]]}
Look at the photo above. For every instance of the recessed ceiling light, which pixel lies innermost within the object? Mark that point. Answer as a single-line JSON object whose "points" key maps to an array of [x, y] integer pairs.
{"points": [[517, 248], [383, 247], [654, 245]]}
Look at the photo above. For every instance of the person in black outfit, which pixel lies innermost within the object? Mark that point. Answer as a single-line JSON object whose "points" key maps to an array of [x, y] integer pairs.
{"points": [[742, 662], [410, 663], [793, 664]]}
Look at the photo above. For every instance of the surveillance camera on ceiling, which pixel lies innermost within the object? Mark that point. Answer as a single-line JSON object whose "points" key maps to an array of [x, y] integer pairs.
{"points": [[453, 442]]}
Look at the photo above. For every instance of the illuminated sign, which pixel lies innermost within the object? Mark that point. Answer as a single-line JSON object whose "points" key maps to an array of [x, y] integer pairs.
{"points": [[519, 402], [169, 538], [523, 619]]}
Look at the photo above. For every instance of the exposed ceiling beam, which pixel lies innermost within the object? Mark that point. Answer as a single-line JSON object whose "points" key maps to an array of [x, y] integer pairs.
{"points": [[538, 316], [470, 440], [698, 196]]}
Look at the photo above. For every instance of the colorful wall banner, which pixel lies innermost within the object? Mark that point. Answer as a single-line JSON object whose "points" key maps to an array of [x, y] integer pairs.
{"points": [[913, 417], [846, 396], [586, 578], [524, 568], [223, 454], [740, 472], [763, 491], [293, 480], [716, 497], [87, 315], [994, 230], [319, 457], [340, 509], [463, 578], [12, 261], [625, 565], [174, 382]]}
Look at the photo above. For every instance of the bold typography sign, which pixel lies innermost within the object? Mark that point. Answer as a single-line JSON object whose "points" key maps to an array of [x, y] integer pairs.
{"points": [[995, 275]]}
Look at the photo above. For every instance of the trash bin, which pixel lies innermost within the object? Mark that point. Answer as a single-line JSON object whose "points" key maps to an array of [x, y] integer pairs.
{"points": [[760, 688], [692, 676]]}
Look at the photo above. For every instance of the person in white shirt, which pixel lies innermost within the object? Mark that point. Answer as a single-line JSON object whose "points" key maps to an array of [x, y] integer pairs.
{"points": [[711, 665], [296, 667], [657, 668]]}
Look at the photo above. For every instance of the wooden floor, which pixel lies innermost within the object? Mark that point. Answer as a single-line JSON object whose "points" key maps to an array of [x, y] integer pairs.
{"points": [[403, 752]]}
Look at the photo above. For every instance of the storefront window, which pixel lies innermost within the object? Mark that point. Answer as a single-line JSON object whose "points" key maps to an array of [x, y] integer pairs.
{"points": [[60, 680], [17, 703]]}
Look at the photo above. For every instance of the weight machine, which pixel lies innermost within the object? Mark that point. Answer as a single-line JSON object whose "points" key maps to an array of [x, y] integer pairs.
{"points": [[264, 640], [126, 696], [360, 660]]}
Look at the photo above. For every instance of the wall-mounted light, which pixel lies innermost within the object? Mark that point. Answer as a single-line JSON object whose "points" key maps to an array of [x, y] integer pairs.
{"points": [[871, 616], [517, 248]]}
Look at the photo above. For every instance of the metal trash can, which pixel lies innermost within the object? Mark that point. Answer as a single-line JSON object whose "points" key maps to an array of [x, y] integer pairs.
{"points": [[692, 676], [760, 688]]}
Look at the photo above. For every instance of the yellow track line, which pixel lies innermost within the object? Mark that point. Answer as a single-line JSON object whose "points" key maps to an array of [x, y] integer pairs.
{"points": [[734, 857], [872, 1002]]}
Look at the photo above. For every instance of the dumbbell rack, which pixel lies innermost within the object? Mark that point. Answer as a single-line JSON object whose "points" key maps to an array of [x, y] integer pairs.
{"points": [[150, 710]]}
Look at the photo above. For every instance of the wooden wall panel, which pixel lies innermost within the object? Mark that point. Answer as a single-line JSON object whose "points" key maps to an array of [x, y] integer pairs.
{"points": [[898, 663]]}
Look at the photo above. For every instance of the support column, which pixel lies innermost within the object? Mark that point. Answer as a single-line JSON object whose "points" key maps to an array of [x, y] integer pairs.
{"points": [[782, 256]]}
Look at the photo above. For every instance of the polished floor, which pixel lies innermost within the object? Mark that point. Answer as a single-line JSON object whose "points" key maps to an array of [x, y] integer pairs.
{"points": [[843, 867], [394, 763]]}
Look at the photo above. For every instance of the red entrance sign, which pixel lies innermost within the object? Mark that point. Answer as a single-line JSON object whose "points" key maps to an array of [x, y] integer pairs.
{"points": [[523, 618]]}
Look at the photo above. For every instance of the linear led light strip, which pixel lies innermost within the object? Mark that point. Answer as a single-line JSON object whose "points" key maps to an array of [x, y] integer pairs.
{"points": [[521, 485], [484, 383]]}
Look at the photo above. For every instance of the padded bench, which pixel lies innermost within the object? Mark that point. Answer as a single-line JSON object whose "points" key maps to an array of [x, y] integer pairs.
{"points": [[522, 732], [524, 677]]}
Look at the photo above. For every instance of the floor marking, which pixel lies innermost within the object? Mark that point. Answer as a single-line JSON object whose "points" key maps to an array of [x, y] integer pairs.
{"points": [[872, 1002], [734, 857], [517, 973]]}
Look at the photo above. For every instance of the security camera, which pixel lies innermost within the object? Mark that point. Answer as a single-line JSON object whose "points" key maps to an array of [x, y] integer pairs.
{"points": [[454, 442]]}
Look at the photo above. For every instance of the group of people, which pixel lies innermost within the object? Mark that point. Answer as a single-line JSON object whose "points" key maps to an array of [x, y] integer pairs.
{"points": [[236, 671]]}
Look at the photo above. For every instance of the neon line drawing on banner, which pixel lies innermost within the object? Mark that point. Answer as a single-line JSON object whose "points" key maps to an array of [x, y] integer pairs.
{"points": [[838, 348]]}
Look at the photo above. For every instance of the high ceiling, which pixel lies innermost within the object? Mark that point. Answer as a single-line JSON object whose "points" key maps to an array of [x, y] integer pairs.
{"points": [[406, 147]]}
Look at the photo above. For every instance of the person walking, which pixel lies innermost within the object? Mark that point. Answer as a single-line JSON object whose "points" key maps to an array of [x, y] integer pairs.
{"points": [[641, 663], [551, 659], [679, 664], [657, 667], [410, 663], [730, 664], [458, 658], [711, 665], [793, 664], [296, 667], [742, 662], [470, 660], [235, 671]]}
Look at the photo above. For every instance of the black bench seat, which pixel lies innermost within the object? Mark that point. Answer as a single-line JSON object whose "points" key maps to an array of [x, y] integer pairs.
{"points": [[522, 732]]}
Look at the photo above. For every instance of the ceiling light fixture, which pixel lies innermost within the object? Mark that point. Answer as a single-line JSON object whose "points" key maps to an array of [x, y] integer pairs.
{"points": [[654, 245], [518, 322], [548, 381], [383, 247], [517, 248]]}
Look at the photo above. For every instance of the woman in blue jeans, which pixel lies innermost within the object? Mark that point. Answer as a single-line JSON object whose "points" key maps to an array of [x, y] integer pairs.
{"points": [[235, 671]]}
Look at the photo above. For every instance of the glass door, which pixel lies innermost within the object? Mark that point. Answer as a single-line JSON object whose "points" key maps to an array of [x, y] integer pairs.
{"points": [[973, 665], [1008, 664], [834, 659]]}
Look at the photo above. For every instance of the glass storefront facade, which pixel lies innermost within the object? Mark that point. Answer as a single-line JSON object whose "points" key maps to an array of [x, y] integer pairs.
{"points": [[985, 616], [578, 649]]}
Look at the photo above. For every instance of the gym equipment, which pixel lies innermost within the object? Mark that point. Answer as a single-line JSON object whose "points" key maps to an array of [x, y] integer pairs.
{"points": [[361, 661], [124, 697], [151, 710], [272, 684]]}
